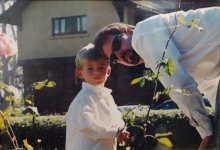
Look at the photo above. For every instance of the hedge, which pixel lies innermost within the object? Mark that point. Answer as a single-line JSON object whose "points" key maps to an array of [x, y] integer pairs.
{"points": [[51, 130]]}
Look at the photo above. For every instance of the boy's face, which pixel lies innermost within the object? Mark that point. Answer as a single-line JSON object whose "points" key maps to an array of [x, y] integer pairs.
{"points": [[94, 72]]}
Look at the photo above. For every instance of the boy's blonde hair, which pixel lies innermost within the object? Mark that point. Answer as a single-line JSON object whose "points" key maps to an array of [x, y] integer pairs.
{"points": [[88, 53]]}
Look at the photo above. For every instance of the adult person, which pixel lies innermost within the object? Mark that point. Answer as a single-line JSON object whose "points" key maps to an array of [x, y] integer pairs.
{"points": [[196, 57]]}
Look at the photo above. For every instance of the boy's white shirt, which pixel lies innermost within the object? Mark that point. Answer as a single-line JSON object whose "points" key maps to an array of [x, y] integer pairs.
{"points": [[92, 120], [196, 57]]}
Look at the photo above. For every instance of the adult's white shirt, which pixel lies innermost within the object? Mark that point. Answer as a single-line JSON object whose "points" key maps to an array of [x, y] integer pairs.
{"points": [[92, 120], [196, 57]]}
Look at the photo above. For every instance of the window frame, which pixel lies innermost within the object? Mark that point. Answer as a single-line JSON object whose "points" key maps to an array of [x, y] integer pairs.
{"points": [[59, 19]]}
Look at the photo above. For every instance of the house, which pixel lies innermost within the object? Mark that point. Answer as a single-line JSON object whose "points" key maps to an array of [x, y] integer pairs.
{"points": [[51, 32]]}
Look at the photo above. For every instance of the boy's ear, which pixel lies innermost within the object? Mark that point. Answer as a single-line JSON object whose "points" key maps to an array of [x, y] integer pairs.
{"points": [[78, 73], [109, 71]]}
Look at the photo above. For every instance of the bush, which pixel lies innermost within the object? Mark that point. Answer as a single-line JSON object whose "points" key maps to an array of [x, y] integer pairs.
{"points": [[51, 130]]}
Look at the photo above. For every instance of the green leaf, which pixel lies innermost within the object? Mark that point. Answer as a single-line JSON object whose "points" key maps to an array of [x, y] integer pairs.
{"points": [[28, 101], [156, 96], [27, 146], [38, 87], [2, 124], [197, 27], [18, 102], [159, 135], [149, 75], [182, 21], [132, 121], [128, 112], [28, 96], [194, 21], [165, 141], [51, 84], [4, 116], [142, 82], [137, 80], [194, 24], [169, 67], [9, 98], [167, 90]]}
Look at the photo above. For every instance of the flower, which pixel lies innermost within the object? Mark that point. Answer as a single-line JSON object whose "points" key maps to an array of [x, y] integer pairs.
{"points": [[8, 46]]}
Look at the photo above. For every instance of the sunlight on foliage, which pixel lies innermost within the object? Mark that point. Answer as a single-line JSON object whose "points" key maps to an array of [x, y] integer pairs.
{"points": [[28, 101], [150, 76], [166, 91], [2, 124], [165, 141], [147, 75], [168, 65], [159, 135], [51, 84], [193, 24], [140, 80], [137, 80], [4, 116], [45, 83], [134, 115], [27, 146], [18, 102], [182, 21], [9, 98], [4, 87]]}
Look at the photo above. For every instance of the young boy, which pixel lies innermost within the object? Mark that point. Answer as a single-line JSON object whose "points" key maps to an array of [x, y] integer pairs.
{"points": [[93, 120]]}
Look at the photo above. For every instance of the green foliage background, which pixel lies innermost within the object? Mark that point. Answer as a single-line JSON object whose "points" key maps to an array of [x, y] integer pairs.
{"points": [[52, 129]]}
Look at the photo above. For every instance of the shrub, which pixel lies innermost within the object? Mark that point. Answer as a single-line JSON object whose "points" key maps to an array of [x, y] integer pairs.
{"points": [[51, 130]]}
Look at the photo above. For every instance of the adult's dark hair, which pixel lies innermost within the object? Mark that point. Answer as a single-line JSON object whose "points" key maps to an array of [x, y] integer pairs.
{"points": [[111, 29]]}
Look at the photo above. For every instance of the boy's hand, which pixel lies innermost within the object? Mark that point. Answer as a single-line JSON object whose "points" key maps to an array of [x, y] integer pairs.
{"points": [[122, 137], [204, 143]]}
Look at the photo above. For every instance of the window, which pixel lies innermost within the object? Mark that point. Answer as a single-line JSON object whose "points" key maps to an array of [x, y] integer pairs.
{"points": [[69, 25]]}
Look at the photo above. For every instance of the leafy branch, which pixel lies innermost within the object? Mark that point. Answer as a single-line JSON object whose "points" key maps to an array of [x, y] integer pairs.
{"points": [[9, 131], [168, 65], [5, 124]]}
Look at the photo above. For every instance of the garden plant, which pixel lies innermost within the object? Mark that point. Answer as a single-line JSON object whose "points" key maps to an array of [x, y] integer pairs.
{"points": [[138, 123]]}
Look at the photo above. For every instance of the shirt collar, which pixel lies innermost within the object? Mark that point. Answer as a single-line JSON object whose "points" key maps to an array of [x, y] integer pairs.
{"points": [[97, 89]]}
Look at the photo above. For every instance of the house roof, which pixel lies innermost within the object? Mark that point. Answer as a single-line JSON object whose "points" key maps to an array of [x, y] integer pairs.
{"points": [[165, 6], [158, 6], [13, 14]]}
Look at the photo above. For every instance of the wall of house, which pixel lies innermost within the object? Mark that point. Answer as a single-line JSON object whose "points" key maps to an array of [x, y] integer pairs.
{"points": [[46, 57], [35, 40]]}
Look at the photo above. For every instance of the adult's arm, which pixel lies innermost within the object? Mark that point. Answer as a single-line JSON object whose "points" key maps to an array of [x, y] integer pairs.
{"points": [[149, 40]]}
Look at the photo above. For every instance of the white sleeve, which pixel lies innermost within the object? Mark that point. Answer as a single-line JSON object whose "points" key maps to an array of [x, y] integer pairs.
{"points": [[117, 115], [149, 40], [91, 127]]}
